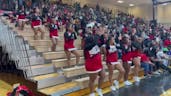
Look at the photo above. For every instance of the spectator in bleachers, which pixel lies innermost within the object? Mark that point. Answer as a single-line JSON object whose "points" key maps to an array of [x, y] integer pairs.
{"points": [[163, 56], [147, 65]]}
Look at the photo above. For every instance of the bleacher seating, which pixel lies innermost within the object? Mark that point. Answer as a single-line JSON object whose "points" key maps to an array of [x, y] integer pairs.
{"points": [[7, 65], [50, 80]]}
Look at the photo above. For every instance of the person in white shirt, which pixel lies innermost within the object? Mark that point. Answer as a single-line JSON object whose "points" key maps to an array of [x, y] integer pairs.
{"points": [[163, 56]]}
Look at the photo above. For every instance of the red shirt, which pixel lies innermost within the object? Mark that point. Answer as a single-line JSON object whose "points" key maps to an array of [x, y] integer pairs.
{"points": [[144, 58], [69, 39], [125, 30], [151, 37], [167, 43]]}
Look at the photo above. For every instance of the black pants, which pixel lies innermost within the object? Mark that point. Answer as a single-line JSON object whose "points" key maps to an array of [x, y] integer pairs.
{"points": [[160, 65]]}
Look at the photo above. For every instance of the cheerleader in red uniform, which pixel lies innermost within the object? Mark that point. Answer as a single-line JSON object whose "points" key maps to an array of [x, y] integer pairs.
{"points": [[21, 18], [104, 39], [21, 91], [88, 30], [136, 58], [36, 24], [69, 47], [47, 20], [93, 62], [62, 23], [113, 63], [53, 29], [126, 58]]}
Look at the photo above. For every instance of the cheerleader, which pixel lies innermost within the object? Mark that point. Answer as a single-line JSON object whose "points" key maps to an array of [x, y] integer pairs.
{"points": [[21, 14], [69, 47], [126, 58], [62, 23], [21, 91], [113, 63], [136, 58], [36, 24], [47, 20], [102, 29], [83, 35], [104, 39], [53, 29], [93, 63]]}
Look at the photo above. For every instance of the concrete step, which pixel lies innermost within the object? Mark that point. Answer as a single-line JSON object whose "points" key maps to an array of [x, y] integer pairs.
{"points": [[58, 55]]}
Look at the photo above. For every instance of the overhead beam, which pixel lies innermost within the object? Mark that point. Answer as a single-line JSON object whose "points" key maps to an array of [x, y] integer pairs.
{"points": [[155, 2], [164, 2]]}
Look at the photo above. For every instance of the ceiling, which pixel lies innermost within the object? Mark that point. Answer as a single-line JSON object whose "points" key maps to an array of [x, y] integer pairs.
{"points": [[127, 2]]}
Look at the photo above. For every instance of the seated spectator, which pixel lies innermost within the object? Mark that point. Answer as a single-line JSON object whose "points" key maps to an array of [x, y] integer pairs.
{"points": [[146, 64], [163, 56]]}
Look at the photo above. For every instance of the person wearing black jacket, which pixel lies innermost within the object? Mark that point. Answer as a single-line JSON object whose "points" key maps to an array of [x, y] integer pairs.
{"points": [[93, 62]]}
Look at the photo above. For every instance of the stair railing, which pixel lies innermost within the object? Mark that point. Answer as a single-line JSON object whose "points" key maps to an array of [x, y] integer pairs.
{"points": [[17, 48]]}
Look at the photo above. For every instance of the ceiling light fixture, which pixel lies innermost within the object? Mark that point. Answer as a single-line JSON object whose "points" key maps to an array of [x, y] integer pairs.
{"points": [[131, 5], [164, 4], [120, 1]]}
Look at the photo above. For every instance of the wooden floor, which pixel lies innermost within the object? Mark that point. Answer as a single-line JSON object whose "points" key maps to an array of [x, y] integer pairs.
{"points": [[105, 86], [60, 87], [167, 93], [4, 88], [8, 80]]}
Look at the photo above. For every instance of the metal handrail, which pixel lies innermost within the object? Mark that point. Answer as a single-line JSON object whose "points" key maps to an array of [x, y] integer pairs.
{"points": [[26, 53], [16, 47]]}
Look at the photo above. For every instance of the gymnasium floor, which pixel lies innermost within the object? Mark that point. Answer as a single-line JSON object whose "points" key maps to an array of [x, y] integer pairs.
{"points": [[156, 86], [4, 88]]}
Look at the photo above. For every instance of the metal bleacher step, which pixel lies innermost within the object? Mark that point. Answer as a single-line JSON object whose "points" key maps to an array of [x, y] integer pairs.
{"points": [[59, 63], [49, 80], [59, 90], [58, 55], [48, 42], [77, 70], [83, 82], [48, 48], [42, 69]]}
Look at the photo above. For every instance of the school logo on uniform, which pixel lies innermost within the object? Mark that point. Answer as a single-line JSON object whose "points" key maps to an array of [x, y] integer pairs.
{"points": [[112, 49], [54, 26], [95, 50]]}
